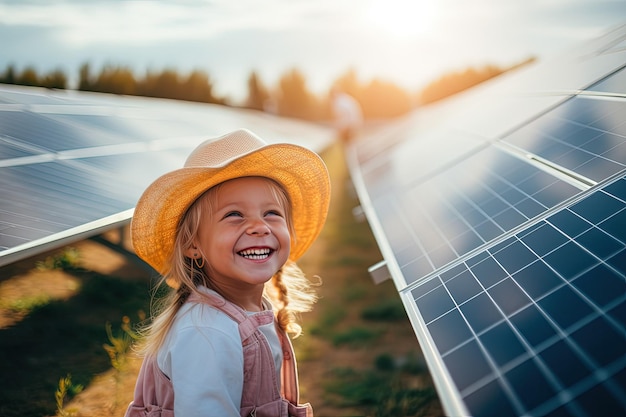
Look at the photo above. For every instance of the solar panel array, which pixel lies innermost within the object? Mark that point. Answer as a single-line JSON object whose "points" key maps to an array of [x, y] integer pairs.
{"points": [[501, 215], [74, 164]]}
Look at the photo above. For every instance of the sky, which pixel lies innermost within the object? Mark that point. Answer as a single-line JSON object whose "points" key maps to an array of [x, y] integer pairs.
{"points": [[407, 42]]}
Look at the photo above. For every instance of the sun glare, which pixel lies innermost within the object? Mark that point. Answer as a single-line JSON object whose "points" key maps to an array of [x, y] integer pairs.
{"points": [[402, 18]]}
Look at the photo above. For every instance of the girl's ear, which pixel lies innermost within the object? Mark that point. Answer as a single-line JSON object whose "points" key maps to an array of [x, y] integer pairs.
{"points": [[192, 252]]}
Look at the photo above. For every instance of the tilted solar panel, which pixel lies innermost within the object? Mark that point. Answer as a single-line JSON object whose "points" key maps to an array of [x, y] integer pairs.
{"points": [[465, 207], [505, 233], [538, 320], [74, 164], [584, 136]]}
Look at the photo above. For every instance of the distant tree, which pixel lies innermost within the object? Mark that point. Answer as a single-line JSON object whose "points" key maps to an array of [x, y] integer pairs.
{"points": [[85, 82], [28, 77], [294, 99], [383, 100], [258, 95], [146, 85], [198, 88], [8, 77], [455, 82], [116, 80], [55, 79], [164, 84]]}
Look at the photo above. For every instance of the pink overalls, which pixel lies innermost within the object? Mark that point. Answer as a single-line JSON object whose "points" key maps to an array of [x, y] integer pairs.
{"points": [[154, 394]]}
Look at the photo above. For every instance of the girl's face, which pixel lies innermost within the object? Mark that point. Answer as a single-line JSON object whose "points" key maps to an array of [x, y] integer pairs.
{"points": [[245, 237]]}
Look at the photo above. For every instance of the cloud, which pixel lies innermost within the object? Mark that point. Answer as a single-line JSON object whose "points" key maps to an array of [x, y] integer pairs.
{"points": [[80, 23]]}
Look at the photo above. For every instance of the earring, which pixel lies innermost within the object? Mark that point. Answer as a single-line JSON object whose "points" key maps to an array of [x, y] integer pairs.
{"points": [[198, 264]]}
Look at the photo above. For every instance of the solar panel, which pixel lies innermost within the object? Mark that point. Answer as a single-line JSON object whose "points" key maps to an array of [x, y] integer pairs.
{"points": [[584, 135], [505, 234], [73, 165], [545, 305]]}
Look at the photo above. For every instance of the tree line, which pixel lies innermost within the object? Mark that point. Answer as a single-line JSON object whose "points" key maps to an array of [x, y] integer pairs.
{"points": [[291, 97]]}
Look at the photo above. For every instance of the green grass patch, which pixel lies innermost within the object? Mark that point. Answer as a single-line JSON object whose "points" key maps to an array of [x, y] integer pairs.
{"points": [[329, 318], [351, 293], [384, 393], [387, 310], [356, 336], [345, 261], [68, 259], [26, 305]]}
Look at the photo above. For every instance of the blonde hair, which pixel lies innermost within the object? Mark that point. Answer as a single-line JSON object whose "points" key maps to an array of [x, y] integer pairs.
{"points": [[289, 291]]}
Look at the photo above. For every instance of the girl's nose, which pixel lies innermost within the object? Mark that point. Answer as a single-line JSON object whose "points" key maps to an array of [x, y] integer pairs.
{"points": [[258, 227]]}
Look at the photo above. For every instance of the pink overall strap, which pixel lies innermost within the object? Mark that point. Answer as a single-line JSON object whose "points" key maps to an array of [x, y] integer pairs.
{"points": [[289, 379], [289, 371]]}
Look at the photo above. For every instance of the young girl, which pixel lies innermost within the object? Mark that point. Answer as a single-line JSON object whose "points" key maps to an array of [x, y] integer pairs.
{"points": [[224, 232]]}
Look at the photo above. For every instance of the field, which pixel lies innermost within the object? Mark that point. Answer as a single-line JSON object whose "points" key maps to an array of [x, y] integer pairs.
{"points": [[358, 354]]}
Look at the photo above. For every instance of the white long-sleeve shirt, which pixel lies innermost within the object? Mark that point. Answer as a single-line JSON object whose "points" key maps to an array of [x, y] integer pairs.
{"points": [[203, 357]]}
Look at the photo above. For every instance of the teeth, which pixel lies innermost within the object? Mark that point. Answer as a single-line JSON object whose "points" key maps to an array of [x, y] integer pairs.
{"points": [[256, 254]]}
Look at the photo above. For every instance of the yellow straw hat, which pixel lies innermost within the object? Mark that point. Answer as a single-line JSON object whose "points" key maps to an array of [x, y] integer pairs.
{"points": [[300, 171]]}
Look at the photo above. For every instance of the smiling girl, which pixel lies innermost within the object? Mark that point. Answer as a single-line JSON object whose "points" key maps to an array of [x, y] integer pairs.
{"points": [[224, 232]]}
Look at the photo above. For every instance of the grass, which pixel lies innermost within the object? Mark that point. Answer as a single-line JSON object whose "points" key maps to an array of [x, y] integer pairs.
{"points": [[387, 310], [68, 258], [356, 336], [382, 392], [66, 387], [25, 305], [63, 337]]}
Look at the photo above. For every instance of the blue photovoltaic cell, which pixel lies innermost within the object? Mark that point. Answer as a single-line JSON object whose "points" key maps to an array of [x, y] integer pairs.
{"points": [[498, 193], [521, 313], [585, 135]]}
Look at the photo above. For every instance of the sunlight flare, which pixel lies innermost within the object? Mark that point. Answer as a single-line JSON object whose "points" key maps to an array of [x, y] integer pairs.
{"points": [[403, 18]]}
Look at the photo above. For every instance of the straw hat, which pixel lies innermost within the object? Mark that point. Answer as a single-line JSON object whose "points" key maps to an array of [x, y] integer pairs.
{"points": [[238, 154]]}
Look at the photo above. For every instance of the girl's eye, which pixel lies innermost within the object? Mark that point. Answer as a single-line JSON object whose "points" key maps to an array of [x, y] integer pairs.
{"points": [[233, 214], [274, 213]]}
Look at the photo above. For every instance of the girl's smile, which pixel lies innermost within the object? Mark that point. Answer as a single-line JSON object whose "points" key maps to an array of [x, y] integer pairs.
{"points": [[258, 254]]}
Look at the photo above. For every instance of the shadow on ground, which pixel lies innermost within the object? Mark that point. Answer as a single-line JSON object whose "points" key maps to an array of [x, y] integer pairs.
{"points": [[64, 337]]}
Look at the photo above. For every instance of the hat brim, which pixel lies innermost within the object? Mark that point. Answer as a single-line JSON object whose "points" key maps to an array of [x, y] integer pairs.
{"points": [[300, 171]]}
